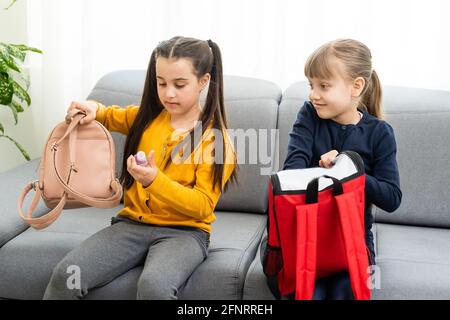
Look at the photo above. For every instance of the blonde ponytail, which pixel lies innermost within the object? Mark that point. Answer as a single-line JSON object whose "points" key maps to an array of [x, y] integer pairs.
{"points": [[371, 99]]}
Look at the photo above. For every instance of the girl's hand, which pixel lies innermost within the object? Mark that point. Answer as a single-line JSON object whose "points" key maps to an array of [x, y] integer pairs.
{"points": [[90, 107], [326, 160], [143, 175]]}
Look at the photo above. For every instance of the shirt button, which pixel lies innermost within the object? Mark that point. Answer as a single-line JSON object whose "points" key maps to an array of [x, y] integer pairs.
{"points": [[344, 127]]}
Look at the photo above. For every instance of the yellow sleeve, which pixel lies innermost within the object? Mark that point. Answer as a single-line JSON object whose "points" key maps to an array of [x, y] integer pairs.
{"points": [[116, 118], [197, 202]]}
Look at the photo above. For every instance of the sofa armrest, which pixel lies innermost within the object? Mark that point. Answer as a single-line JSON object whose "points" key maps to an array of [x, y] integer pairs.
{"points": [[12, 183]]}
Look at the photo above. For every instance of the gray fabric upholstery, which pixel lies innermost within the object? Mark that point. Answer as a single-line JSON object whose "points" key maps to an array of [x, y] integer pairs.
{"points": [[255, 287], [414, 262], [245, 98], [420, 120], [11, 184], [27, 261], [293, 99]]}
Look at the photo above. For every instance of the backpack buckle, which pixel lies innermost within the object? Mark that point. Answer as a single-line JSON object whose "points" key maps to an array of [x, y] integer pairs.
{"points": [[54, 146], [34, 184]]}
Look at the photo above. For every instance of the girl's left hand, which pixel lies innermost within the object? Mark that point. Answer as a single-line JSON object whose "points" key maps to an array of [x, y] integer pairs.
{"points": [[143, 175], [326, 160]]}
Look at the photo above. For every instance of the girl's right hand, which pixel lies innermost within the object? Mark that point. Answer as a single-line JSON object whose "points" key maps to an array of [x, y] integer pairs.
{"points": [[90, 107], [326, 160]]}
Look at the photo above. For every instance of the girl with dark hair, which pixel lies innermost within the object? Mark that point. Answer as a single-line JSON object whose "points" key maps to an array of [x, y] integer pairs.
{"points": [[168, 202]]}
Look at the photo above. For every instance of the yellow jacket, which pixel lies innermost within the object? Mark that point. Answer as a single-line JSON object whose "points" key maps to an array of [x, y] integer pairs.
{"points": [[183, 193]]}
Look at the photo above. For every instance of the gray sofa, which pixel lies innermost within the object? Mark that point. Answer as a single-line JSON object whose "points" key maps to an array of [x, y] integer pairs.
{"points": [[412, 243]]}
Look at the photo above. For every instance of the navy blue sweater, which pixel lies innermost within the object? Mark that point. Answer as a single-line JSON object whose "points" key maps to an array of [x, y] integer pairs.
{"points": [[371, 138]]}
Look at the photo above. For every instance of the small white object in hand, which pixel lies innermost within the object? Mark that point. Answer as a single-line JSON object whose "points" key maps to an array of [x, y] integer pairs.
{"points": [[141, 158]]}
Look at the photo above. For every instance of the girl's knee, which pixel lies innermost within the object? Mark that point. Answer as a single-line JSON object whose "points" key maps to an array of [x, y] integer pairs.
{"points": [[65, 282], [154, 287]]}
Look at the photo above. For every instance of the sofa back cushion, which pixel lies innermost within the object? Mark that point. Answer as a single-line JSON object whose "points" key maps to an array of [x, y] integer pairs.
{"points": [[252, 106], [420, 119]]}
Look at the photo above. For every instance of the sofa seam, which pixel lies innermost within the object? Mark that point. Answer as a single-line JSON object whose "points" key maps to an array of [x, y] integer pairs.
{"points": [[16, 233], [415, 225], [228, 100], [116, 91], [253, 239], [386, 113], [416, 113], [68, 232], [411, 260]]}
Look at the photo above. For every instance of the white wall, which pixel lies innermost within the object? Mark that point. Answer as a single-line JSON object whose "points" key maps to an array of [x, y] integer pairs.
{"points": [[13, 29]]}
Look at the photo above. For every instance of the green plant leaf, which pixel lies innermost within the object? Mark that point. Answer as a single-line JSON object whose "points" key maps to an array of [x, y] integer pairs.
{"points": [[9, 61], [23, 78], [14, 51], [21, 93], [14, 111], [23, 47], [21, 149], [6, 89], [17, 106], [11, 4], [3, 67]]}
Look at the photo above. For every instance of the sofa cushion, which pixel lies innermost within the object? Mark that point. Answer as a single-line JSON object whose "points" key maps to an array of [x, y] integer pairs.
{"points": [[252, 107], [414, 262], [11, 184], [244, 98], [420, 120], [293, 99], [27, 261]]}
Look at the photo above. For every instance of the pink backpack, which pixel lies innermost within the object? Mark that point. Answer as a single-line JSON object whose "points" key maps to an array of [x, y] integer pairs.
{"points": [[77, 169]]}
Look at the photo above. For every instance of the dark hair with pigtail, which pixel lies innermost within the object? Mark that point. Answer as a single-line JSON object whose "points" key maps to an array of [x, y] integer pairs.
{"points": [[206, 58]]}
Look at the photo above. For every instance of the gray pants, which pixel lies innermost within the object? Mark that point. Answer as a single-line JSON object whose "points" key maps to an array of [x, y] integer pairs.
{"points": [[170, 254]]}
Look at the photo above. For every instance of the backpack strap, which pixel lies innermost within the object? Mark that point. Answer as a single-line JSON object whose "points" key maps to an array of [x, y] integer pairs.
{"points": [[352, 226], [306, 247], [45, 220]]}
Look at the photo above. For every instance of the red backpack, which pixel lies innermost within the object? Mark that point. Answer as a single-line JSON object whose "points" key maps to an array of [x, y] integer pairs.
{"points": [[316, 227]]}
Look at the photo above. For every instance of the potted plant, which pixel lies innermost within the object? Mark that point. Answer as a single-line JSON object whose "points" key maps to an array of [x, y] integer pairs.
{"points": [[14, 83]]}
